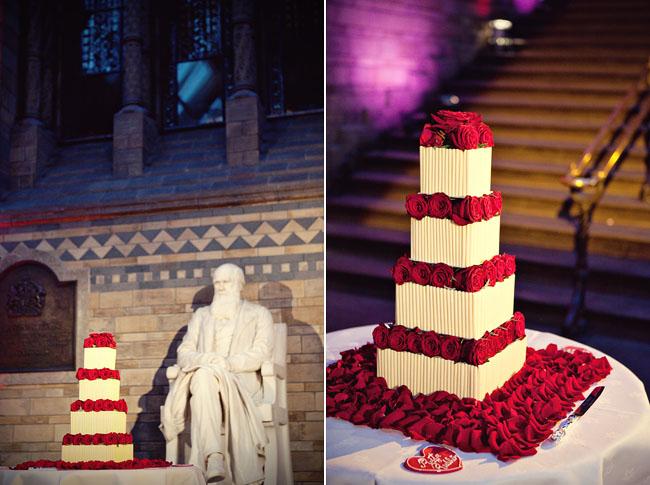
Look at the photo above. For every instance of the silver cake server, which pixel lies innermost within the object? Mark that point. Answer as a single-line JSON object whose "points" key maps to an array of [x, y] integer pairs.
{"points": [[559, 433]]}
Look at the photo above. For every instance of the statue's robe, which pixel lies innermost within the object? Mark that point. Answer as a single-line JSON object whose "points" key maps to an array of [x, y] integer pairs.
{"points": [[223, 398]]}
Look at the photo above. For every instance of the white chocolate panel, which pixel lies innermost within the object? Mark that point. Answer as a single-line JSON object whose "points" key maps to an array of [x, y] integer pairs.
{"points": [[99, 357], [74, 453], [453, 312], [92, 422], [454, 172], [99, 389], [425, 375], [441, 241]]}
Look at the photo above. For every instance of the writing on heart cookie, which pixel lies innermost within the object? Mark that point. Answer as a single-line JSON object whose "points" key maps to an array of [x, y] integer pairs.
{"points": [[434, 459]]}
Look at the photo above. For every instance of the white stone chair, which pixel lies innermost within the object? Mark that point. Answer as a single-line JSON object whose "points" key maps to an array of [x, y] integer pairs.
{"points": [[273, 409]]}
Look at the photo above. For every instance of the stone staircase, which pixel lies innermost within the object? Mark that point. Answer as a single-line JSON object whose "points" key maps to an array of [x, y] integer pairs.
{"points": [[545, 104]]}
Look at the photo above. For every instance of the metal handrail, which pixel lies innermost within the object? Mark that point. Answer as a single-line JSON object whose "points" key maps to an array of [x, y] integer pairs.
{"points": [[588, 179]]}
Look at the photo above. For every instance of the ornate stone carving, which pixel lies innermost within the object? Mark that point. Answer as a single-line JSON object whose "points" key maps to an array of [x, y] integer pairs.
{"points": [[26, 299]]}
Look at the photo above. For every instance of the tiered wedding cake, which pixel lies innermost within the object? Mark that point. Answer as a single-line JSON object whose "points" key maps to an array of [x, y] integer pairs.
{"points": [[454, 325], [98, 417]]}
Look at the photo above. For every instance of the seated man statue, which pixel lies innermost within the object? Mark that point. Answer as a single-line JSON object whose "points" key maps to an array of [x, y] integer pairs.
{"points": [[219, 359]]}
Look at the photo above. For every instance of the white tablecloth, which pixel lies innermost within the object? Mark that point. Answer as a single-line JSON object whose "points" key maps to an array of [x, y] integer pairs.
{"points": [[176, 475], [609, 445]]}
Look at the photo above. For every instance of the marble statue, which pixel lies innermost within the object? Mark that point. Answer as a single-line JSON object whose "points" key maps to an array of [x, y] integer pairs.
{"points": [[219, 359]]}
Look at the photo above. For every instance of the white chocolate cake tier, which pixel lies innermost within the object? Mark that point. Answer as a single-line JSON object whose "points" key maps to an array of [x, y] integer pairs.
{"points": [[422, 374], [92, 422], [99, 357], [74, 453], [454, 172], [99, 389], [453, 312], [441, 241]]}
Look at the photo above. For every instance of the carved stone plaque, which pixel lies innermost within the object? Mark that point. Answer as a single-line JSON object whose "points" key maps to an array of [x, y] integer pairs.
{"points": [[37, 320]]}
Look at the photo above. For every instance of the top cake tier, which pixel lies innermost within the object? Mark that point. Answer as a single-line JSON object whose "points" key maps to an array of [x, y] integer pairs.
{"points": [[454, 172], [100, 351], [456, 154]]}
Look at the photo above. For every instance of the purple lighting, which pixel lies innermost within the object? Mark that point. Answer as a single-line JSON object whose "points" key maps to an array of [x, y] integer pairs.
{"points": [[382, 58]]}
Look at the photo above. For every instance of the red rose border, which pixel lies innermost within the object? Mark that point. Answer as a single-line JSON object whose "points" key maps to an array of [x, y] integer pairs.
{"points": [[97, 439], [135, 464], [104, 339], [456, 129], [93, 374], [461, 211], [450, 347], [97, 405], [511, 422], [440, 275]]}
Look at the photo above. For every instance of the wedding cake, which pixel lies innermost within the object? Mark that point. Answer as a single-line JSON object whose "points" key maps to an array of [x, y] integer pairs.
{"points": [[454, 329], [98, 417]]}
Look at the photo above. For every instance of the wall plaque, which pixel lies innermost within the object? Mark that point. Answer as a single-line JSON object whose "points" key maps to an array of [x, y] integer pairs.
{"points": [[37, 320]]}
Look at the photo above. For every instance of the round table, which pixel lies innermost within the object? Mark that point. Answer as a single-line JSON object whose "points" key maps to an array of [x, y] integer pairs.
{"points": [[610, 444]]}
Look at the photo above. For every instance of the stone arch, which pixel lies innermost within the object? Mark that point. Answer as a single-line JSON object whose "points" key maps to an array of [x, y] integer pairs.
{"points": [[23, 255]]}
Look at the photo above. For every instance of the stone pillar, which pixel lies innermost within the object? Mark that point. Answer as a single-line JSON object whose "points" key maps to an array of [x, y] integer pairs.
{"points": [[32, 143], [134, 132], [244, 113]]}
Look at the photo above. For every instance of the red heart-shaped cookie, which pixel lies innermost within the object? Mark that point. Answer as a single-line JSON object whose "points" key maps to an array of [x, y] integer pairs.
{"points": [[434, 459]]}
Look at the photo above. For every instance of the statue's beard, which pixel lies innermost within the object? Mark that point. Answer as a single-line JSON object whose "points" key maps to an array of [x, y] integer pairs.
{"points": [[225, 306]]}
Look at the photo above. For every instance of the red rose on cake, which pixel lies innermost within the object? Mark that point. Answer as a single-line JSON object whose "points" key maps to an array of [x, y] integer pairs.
{"points": [[111, 438], [402, 270], [397, 338], [431, 137], [510, 265], [497, 200], [485, 135], [464, 137], [466, 211], [487, 204], [86, 439], [441, 275], [413, 341], [447, 120], [417, 206], [439, 205], [490, 272], [421, 273], [470, 279], [519, 325], [480, 352], [500, 265], [450, 348], [380, 336], [430, 343]]}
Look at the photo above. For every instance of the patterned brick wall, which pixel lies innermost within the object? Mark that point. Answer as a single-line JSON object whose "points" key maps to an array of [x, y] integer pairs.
{"points": [[384, 57], [147, 274]]}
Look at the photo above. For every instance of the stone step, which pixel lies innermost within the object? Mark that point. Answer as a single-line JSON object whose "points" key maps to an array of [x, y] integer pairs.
{"points": [[595, 70], [608, 87], [550, 101]]}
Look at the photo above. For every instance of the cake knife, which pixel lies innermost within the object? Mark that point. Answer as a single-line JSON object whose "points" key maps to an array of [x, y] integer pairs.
{"points": [[559, 433]]}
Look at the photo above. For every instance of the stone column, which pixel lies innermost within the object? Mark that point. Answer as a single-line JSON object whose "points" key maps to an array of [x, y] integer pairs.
{"points": [[243, 110], [32, 143], [134, 132]]}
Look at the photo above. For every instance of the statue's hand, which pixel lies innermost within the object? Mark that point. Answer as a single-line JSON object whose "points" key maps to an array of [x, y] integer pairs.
{"points": [[211, 358]]}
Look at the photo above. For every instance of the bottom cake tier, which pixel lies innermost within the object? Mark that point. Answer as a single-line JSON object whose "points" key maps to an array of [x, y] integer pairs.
{"points": [[97, 452], [422, 374]]}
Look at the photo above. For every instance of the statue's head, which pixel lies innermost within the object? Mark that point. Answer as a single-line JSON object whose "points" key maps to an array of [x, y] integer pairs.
{"points": [[228, 281]]}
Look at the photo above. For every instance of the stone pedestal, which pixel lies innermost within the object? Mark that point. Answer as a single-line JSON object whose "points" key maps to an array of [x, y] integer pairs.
{"points": [[134, 134], [32, 146], [243, 122]]}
